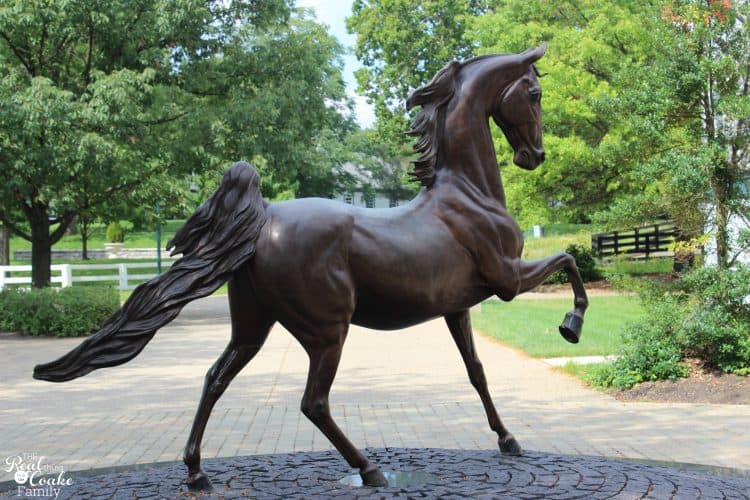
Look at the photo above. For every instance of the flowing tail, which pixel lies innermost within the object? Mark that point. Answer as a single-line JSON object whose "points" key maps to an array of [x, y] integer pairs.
{"points": [[215, 241]]}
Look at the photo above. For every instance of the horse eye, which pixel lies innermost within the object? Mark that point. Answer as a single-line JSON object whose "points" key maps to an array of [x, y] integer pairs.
{"points": [[535, 95]]}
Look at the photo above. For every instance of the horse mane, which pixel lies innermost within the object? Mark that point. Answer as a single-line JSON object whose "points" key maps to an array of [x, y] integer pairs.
{"points": [[428, 124]]}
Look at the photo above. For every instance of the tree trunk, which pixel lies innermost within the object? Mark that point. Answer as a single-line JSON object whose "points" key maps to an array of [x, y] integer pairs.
{"points": [[722, 234], [84, 238], [41, 252], [4, 246]]}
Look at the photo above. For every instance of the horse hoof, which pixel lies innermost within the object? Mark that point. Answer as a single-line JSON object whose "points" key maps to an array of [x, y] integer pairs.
{"points": [[373, 477], [199, 482], [571, 326], [509, 446]]}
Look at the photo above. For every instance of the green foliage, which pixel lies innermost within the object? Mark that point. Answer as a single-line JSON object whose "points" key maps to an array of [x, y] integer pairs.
{"points": [[115, 233], [586, 263], [276, 99], [112, 105], [716, 327], [402, 44], [651, 350], [589, 42], [67, 312], [645, 103], [550, 243], [704, 315], [684, 109]]}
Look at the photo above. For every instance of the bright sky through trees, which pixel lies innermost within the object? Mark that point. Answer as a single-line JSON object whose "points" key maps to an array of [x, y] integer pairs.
{"points": [[333, 13]]}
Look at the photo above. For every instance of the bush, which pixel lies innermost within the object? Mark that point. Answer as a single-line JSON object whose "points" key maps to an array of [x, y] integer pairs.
{"points": [[651, 350], [716, 327], [705, 315], [67, 312], [586, 263], [115, 233]]}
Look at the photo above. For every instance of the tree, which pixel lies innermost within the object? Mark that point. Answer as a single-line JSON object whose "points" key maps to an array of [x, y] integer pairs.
{"points": [[693, 101], [274, 97], [402, 44], [590, 43], [4, 246], [112, 104]]}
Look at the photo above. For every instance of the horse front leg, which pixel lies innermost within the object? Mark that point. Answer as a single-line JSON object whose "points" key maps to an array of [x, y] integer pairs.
{"points": [[459, 325], [534, 273]]}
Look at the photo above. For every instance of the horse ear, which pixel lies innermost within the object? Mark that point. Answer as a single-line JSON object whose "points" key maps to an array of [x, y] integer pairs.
{"points": [[530, 56]]}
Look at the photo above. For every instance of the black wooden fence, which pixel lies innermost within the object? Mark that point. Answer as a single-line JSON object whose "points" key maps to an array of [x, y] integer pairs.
{"points": [[640, 241]]}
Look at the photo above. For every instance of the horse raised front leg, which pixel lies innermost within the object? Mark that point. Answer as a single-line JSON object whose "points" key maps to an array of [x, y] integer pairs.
{"points": [[536, 272], [459, 325]]}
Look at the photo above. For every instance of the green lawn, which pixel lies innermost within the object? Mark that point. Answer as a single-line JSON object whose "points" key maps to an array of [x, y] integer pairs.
{"points": [[133, 239], [539, 248], [661, 265], [531, 325], [579, 371], [124, 294]]}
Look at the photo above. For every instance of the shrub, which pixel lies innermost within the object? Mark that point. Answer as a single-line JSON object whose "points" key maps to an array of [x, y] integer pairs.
{"points": [[115, 233], [651, 350], [67, 312], [716, 327], [706, 315], [586, 263]]}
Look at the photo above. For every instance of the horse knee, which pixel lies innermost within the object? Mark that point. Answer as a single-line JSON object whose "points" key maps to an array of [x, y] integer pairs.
{"points": [[476, 375], [214, 384], [315, 410]]}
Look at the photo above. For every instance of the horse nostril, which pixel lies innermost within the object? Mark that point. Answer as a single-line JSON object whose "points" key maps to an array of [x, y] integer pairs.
{"points": [[541, 157]]}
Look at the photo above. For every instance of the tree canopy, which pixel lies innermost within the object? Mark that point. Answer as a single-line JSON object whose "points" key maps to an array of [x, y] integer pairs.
{"points": [[114, 103], [646, 104]]}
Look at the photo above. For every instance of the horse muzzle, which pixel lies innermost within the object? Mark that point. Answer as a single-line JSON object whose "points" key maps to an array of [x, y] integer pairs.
{"points": [[529, 159]]}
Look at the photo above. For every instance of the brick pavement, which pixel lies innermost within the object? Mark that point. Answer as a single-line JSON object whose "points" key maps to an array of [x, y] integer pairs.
{"points": [[394, 389]]}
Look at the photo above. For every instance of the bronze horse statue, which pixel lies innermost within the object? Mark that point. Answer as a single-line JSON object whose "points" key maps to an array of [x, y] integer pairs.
{"points": [[317, 265]]}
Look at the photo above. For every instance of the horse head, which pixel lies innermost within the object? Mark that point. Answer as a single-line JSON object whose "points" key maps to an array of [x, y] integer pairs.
{"points": [[502, 86], [517, 111]]}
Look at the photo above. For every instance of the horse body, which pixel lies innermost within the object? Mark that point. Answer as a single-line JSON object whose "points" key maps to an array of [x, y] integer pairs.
{"points": [[316, 266], [365, 266]]}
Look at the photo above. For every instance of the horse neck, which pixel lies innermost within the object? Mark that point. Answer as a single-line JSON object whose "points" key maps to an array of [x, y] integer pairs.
{"points": [[468, 152]]}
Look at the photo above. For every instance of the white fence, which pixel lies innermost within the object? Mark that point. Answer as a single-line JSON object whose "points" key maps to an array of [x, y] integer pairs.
{"points": [[65, 274]]}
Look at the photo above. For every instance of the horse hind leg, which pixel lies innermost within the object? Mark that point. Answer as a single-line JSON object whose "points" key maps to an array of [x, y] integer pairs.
{"points": [[324, 361], [249, 332], [459, 325]]}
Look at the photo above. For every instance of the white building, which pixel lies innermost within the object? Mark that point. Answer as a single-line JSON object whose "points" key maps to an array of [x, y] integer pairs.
{"points": [[369, 191], [737, 224]]}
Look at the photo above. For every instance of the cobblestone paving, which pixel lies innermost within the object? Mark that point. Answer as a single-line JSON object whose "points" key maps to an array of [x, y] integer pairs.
{"points": [[458, 474]]}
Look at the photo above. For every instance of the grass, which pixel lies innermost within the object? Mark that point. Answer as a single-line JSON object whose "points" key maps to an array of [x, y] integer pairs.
{"points": [[539, 248], [558, 237], [124, 294], [660, 265], [531, 325], [582, 372], [133, 239]]}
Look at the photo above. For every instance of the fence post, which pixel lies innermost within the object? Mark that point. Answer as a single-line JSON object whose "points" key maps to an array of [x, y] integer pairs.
{"points": [[617, 243], [2, 277], [66, 276], [122, 271], [637, 241]]}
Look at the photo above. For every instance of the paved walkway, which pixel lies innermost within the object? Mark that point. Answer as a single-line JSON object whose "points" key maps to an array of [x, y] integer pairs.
{"points": [[403, 389]]}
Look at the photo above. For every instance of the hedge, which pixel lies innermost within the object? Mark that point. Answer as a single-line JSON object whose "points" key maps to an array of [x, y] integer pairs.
{"points": [[66, 312]]}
